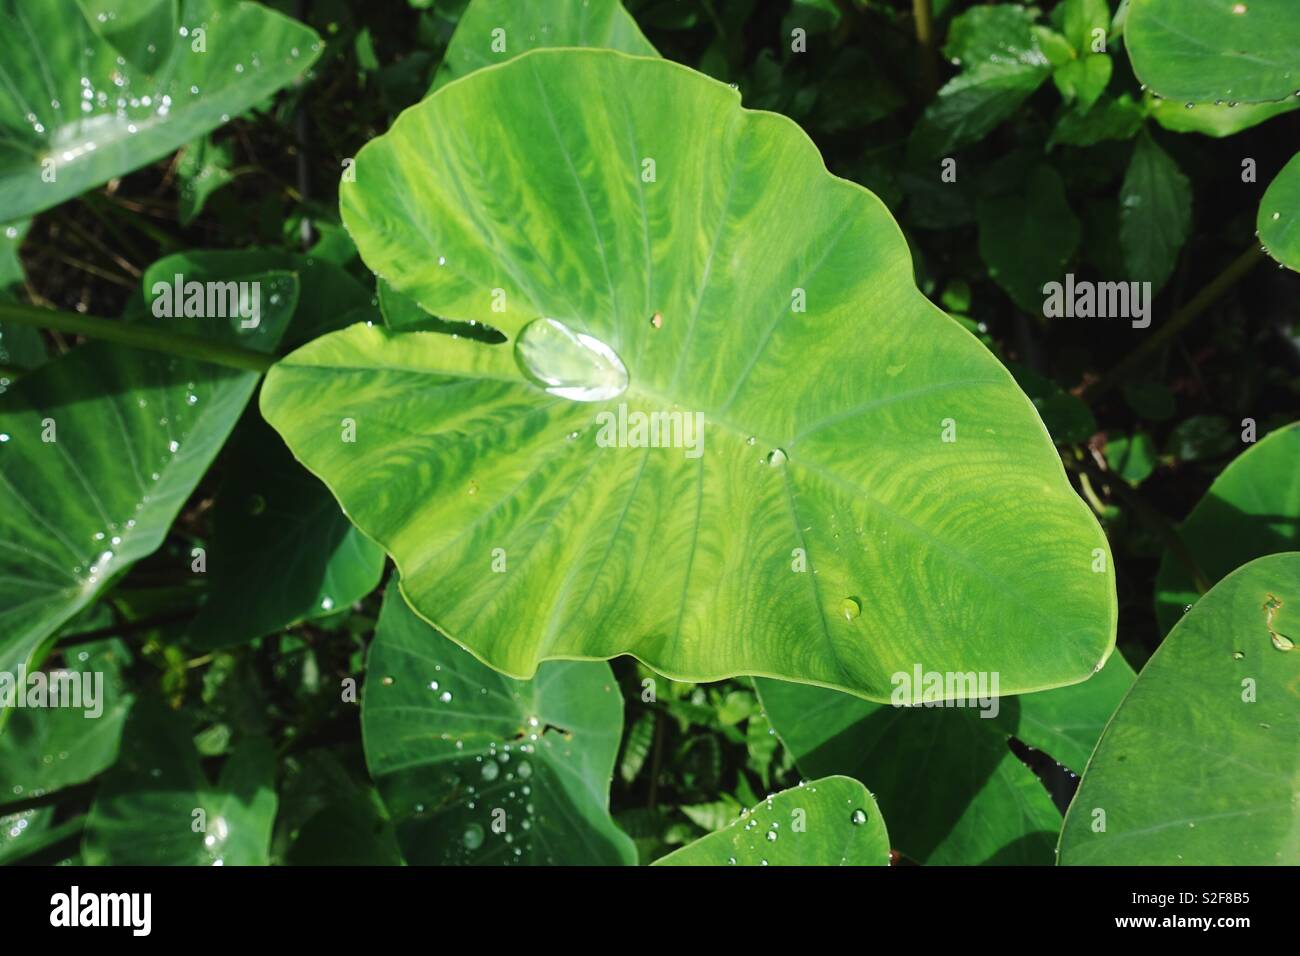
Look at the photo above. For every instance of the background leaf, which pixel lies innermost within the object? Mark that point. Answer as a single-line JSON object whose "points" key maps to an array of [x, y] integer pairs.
{"points": [[841, 826], [455, 748]]}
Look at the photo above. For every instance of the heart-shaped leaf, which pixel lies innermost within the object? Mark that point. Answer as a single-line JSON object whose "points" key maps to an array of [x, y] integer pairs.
{"points": [[855, 480], [98, 451], [75, 110], [1199, 764], [1203, 51], [478, 768], [1252, 509], [828, 822]]}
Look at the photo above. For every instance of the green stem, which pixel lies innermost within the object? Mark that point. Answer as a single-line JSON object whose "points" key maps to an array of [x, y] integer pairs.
{"points": [[1225, 280], [923, 14], [138, 336]]}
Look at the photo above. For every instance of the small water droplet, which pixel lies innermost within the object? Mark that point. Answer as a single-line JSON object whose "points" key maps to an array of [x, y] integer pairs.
{"points": [[472, 837], [858, 817], [776, 458], [850, 608]]}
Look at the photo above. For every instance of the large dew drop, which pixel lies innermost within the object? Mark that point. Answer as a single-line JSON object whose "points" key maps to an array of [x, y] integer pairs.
{"points": [[570, 364]]}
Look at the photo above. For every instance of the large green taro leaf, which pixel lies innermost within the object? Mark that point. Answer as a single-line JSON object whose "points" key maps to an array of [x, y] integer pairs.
{"points": [[47, 749], [1201, 764], [1207, 50], [75, 110], [491, 32], [1252, 509], [477, 768], [830, 822], [131, 433], [826, 532], [147, 811], [1279, 216]]}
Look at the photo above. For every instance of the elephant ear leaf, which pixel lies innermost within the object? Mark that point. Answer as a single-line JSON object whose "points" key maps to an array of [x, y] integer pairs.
{"points": [[1199, 764], [727, 435]]}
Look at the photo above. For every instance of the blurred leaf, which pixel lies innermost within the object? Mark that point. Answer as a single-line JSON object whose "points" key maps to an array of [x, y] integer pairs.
{"points": [[147, 811], [1027, 238], [1155, 213]]}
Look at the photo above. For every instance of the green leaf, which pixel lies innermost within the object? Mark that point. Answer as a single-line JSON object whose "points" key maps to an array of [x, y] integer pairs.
{"points": [[11, 266], [1251, 510], [1155, 213], [824, 430], [1108, 119], [1211, 119], [945, 777], [1067, 722], [1201, 437], [147, 811], [46, 749], [478, 768], [1279, 216], [1202, 51], [495, 31], [1028, 237], [76, 113], [203, 168], [1067, 417], [1199, 764], [1132, 457], [281, 550], [828, 822], [1082, 19], [1084, 79], [132, 433], [1002, 65]]}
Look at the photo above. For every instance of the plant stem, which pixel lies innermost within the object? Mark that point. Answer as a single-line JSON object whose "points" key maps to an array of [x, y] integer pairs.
{"points": [[1237, 270], [923, 14], [125, 628], [138, 336]]}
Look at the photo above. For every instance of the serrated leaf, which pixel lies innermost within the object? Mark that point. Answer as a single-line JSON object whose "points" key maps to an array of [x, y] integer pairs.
{"points": [[1155, 214], [1027, 238]]}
